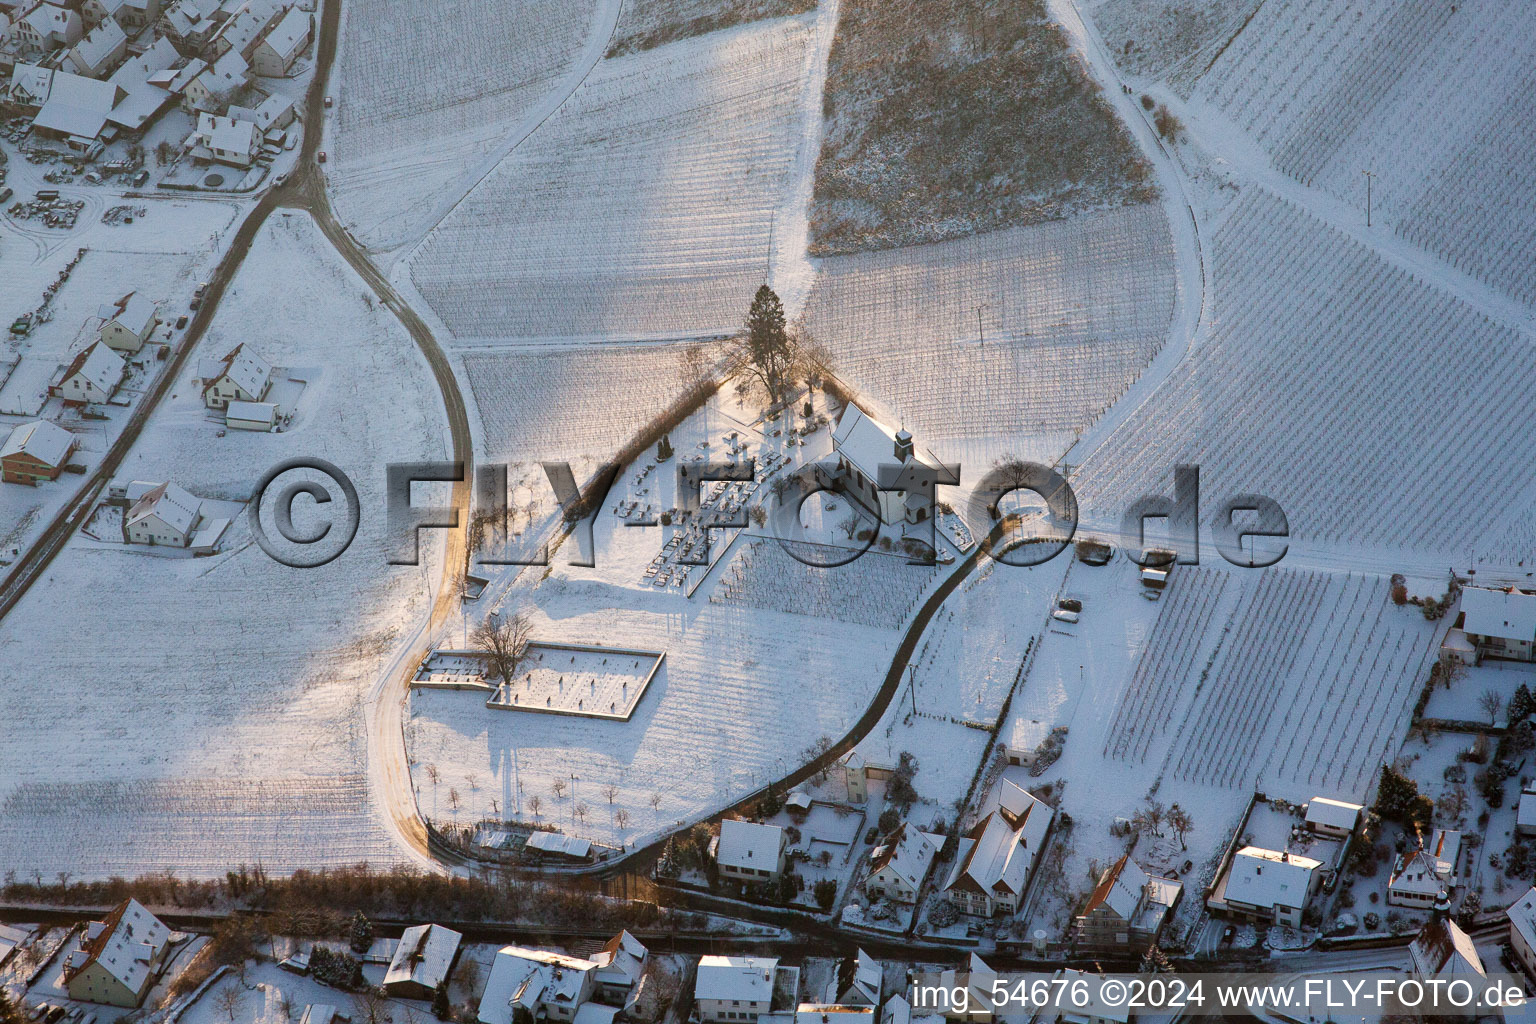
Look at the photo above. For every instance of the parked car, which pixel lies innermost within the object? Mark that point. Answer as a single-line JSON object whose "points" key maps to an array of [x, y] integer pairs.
{"points": [[181, 322], [6, 193], [320, 157], [330, 101]]}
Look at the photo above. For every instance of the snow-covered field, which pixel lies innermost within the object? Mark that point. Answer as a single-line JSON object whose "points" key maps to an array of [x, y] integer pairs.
{"points": [[1304, 317], [643, 208], [193, 714], [424, 91], [1071, 312]]}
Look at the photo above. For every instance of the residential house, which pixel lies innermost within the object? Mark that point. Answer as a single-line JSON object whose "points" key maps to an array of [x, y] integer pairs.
{"points": [[92, 377], [1443, 951], [860, 980], [732, 989], [225, 140], [134, 15], [862, 450], [832, 1013], [1335, 819], [212, 87], [36, 450], [128, 323], [423, 960], [241, 376], [1522, 930], [99, 50], [620, 966], [1095, 1012], [977, 981], [995, 861], [240, 33], [899, 865], [1499, 623], [189, 24], [117, 958], [1269, 885], [165, 515], [749, 852], [277, 51], [96, 12], [276, 111], [28, 86], [535, 984], [47, 27], [1420, 875], [1126, 910]]}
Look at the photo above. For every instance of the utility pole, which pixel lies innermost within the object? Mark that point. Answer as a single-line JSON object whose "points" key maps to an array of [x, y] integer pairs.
{"points": [[912, 686], [1369, 176], [980, 335], [768, 262]]}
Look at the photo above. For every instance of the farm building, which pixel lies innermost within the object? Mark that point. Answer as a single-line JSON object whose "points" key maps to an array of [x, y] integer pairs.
{"points": [[70, 107], [1270, 885], [534, 984], [91, 377], [1126, 911], [1522, 929], [423, 960], [620, 966], [863, 449], [1420, 875], [1442, 950], [36, 450], [898, 866], [241, 376], [553, 845], [118, 958], [1333, 818], [275, 54], [258, 416], [128, 323], [734, 989], [995, 861], [1500, 623], [749, 852]]}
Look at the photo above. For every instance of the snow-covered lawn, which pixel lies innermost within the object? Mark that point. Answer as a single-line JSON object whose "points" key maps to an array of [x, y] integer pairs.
{"points": [[424, 91], [1070, 313], [193, 714], [643, 207]]}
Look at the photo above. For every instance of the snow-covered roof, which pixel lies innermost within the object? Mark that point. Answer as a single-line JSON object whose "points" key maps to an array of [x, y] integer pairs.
{"points": [[906, 853], [1443, 950], [252, 412], [998, 855], [289, 34], [529, 978], [622, 961], [30, 83], [133, 312], [1505, 614], [97, 46], [595, 1013], [98, 365], [227, 134], [145, 80], [245, 369], [424, 955], [1330, 813], [747, 844], [1269, 878], [77, 105], [46, 442], [1120, 889], [1522, 917], [50, 20], [124, 945], [1525, 815], [864, 989], [746, 978], [817, 1013], [1428, 870], [555, 842], [172, 505], [868, 444]]}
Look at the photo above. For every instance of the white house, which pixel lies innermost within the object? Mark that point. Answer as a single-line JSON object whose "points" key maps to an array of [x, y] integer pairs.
{"points": [[1333, 818], [118, 957], [620, 966], [1421, 874], [1443, 951], [535, 984], [865, 981], [225, 140], [275, 54], [165, 515], [213, 86], [977, 981], [1500, 623], [734, 988], [898, 866], [748, 851], [239, 33], [241, 376], [423, 960], [99, 50], [92, 376], [1269, 885], [995, 861], [128, 323], [47, 27], [1522, 930]]}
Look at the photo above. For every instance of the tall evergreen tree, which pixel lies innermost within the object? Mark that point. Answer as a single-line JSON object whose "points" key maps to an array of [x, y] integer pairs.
{"points": [[768, 344]]}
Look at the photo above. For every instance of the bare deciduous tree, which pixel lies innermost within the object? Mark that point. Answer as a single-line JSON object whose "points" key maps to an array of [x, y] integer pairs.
{"points": [[655, 801], [503, 639], [1491, 704], [558, 788], [453, 798], [1181, 822], [621, 819], [611, 793], [535, 804], [228, 1000], [433, 775], [582, 810]]}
